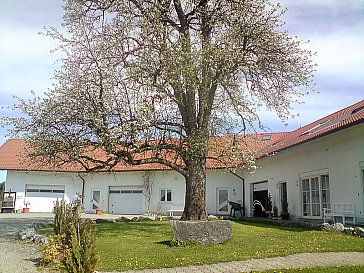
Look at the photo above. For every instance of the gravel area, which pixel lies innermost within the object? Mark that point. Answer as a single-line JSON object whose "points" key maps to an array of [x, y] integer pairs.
{"points": [[22, 257], [17, 256]]}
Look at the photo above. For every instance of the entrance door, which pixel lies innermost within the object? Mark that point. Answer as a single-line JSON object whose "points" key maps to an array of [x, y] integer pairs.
{"points": [[95, 202], [222, 201], [260, 195]]}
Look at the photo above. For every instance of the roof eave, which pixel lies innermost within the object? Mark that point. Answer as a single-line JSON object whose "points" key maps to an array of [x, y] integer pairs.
{"points": [[314, 138]]}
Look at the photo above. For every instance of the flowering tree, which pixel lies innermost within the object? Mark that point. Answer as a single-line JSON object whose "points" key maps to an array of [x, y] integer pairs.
{"points": [[151, 81]]}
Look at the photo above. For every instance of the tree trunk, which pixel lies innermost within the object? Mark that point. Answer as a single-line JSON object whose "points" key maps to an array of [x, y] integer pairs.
{"points": [[195, 199]]}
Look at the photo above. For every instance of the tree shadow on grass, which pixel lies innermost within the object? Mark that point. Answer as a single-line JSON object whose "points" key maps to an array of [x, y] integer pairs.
{"points": [[280, 225], [147, 228], [166, 243]]}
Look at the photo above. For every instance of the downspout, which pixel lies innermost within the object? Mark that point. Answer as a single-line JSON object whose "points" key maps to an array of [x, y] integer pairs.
{"points": [[83, 187], [238, 176]]}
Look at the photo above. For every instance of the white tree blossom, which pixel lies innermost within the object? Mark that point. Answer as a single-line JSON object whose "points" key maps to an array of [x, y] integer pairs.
{"points": [[161, 81]]}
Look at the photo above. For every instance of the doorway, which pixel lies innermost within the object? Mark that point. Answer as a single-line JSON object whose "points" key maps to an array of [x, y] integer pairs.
{"points": [[260, 195], [222, 201], [96, 197]]}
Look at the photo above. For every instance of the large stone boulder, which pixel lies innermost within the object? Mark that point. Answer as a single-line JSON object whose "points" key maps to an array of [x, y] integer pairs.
{"points": [[202, 232]]}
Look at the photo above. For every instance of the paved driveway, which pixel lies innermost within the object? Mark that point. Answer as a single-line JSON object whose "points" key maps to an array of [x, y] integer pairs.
{"points": [[16, 256], [10, 223]]}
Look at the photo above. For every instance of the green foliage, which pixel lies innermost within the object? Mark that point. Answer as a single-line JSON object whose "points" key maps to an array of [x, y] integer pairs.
{"points": [[284, 206], [74, 242], [80, 256], [53, 251], [59, 217], [176, 242]]}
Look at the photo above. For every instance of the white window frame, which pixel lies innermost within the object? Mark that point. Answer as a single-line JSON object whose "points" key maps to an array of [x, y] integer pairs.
{"points": [[314, 190], [165, 195]]}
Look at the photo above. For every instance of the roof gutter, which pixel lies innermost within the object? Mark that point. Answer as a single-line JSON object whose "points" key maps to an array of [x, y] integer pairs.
{"points": [[83, 187], [314, 138], [243, 201]]}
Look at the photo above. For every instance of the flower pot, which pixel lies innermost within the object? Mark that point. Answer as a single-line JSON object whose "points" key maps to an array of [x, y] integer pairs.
{"points": [[285, 216], [98, 211], [25, 210]]}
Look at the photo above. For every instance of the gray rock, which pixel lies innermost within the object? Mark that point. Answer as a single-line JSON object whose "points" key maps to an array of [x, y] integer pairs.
{"points": [[359, 231], [159, 218], [202, 232], [123, 219], [27, 233], [40, 239], [348, 230], [338, 227], [99, 221], [324, 227], [143, 218], [212, 217], [89, 221]]}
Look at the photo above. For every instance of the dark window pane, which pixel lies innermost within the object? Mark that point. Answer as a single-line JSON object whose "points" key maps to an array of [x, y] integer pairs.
{"points": [[169, 195]]}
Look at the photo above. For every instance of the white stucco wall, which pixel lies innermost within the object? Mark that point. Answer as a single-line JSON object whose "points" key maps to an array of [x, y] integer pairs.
{"points": [[340, 154], [163, 180], [216, 179], [171, 180], [16, 181]]}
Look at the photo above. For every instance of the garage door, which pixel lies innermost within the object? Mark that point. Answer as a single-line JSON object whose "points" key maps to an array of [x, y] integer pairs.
{"points": [[125, 200], [42, 197]]}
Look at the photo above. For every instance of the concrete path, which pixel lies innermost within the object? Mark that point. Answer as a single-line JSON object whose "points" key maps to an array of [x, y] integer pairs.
{"points": [[291, 261]]}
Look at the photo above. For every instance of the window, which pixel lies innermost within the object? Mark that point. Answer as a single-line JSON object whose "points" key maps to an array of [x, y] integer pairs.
{"points": [[315, 195], [283, 196], [166, 195]]}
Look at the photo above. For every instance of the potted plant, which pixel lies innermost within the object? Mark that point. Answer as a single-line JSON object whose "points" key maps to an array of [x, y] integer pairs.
{"points": [[268, 206], [285, 213], [275, 211], [26, 209]]}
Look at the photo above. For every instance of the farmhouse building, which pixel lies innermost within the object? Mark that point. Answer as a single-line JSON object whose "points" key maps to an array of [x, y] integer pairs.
{"points": [[315, 169]]}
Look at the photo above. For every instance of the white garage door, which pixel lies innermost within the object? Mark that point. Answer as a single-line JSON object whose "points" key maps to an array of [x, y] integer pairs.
{"points": [[42, 197], [125, 200]]}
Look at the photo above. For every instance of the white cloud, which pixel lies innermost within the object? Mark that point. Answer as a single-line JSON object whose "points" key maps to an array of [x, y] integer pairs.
{"points": [[339, 54]]}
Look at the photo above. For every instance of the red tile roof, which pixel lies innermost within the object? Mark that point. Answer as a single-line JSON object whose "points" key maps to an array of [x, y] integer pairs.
{"points": [[342, 119], [13, 151], [13, 155]]}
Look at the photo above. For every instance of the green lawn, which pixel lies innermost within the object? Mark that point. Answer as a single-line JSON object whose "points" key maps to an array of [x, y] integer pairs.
{"points": [[138, 245]]}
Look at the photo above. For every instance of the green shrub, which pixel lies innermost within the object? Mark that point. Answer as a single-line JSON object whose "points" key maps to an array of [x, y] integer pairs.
{"points": [[60, 209], [53, 251], [176, 242], [74, 242]]}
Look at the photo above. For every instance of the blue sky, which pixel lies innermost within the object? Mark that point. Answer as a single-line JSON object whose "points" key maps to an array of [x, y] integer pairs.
{"points": [[335, 29]]}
